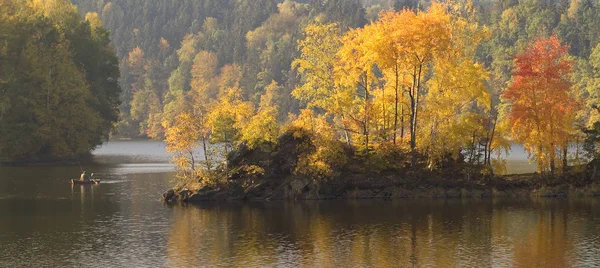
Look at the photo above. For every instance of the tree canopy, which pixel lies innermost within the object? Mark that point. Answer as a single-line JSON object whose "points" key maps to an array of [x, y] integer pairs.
{"points": [[442, 81], [59, 81]]}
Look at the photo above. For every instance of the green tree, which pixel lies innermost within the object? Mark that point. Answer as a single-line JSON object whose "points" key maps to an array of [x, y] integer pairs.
{"points": [[55, 104]]}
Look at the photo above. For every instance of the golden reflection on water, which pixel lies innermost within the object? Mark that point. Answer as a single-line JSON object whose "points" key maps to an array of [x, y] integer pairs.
{"points": [[425, 233]]}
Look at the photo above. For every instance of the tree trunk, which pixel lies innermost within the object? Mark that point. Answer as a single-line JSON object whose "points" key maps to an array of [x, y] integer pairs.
{"points": [[193, 163], [552, 148], [385, 135], [412, 114], [491, 140], [539, 141], [490, 136], [346, 135], [366, 123], [540, 167], [208, 165], [396, 107], [415, 112], [48, 91], [565, 161], [402, 121]]}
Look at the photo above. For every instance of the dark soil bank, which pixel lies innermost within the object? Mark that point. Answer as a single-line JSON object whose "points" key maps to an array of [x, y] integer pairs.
{"points": [[300, 189], [361, 178]]}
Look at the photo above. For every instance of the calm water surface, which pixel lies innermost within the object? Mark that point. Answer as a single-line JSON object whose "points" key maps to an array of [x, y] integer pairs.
{"points": [[45, 222]]}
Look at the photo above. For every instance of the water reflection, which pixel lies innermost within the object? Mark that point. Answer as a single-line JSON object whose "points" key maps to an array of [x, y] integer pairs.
{"points": [[46, 222], [425, 233]]}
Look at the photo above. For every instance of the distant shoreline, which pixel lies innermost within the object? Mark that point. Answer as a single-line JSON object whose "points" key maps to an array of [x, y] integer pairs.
{"points": [[83, 159]]}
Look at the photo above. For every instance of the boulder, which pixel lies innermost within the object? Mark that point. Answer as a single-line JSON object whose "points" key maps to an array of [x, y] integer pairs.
{"points": [[169, 196]]}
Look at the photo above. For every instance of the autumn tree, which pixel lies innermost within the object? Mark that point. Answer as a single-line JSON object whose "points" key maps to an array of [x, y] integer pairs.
{"points": [[455, 111], [407, 54], [433, 73], [356, 70], [182, 138], [586, 77], [227, 118], [416, 77], [390, 56], [137, 64], [203, 79], [316, 65], [272, 47], [175, 100], [592, 146], [262, 128], [543, 108], [144, 106], [422, 47], [328, 154]]}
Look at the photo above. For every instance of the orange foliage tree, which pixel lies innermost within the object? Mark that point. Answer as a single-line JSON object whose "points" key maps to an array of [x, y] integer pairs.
{"points": [[543, 109]]}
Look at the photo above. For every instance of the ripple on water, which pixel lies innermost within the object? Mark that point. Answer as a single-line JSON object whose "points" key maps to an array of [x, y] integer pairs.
{"points": [[119, 223]]}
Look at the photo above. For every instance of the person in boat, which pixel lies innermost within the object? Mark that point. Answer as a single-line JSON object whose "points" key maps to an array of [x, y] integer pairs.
{"points": [[84, 177], [92, 177]]}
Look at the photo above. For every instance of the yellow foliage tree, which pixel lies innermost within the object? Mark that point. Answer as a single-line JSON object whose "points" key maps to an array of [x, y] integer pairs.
{"points": [[390, 54], [228, 116], [456, 105], [316, 64], [355, 69], [328, 154], [262, 128], [182, 138]]}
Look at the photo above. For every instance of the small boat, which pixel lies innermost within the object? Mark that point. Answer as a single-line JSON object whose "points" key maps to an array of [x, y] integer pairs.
{"points": [[80, 182]]}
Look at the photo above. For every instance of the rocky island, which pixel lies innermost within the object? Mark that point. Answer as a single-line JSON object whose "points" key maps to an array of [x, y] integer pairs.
{"points": [[382, 111], [282, 174]]}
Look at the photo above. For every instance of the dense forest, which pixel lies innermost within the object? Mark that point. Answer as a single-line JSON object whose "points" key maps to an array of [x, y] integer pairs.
{"points": [[457, 79], [426, 82], [251, 43], [59, 90]]}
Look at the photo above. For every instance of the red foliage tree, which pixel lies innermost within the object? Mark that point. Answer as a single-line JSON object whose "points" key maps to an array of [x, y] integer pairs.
{"points": [[543, 110]]}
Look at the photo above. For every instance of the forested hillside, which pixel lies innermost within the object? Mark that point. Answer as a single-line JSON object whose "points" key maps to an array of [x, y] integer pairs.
{"points": [[59, 91], [245, 70], [254, 42], [251, 43]]}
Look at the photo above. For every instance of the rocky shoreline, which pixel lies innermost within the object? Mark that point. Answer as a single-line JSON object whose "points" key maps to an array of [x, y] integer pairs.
{"points": [[310, 190], [281, 173]]}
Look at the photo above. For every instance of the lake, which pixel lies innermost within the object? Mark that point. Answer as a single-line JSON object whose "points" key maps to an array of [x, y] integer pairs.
{"points": [[46, 222]]}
